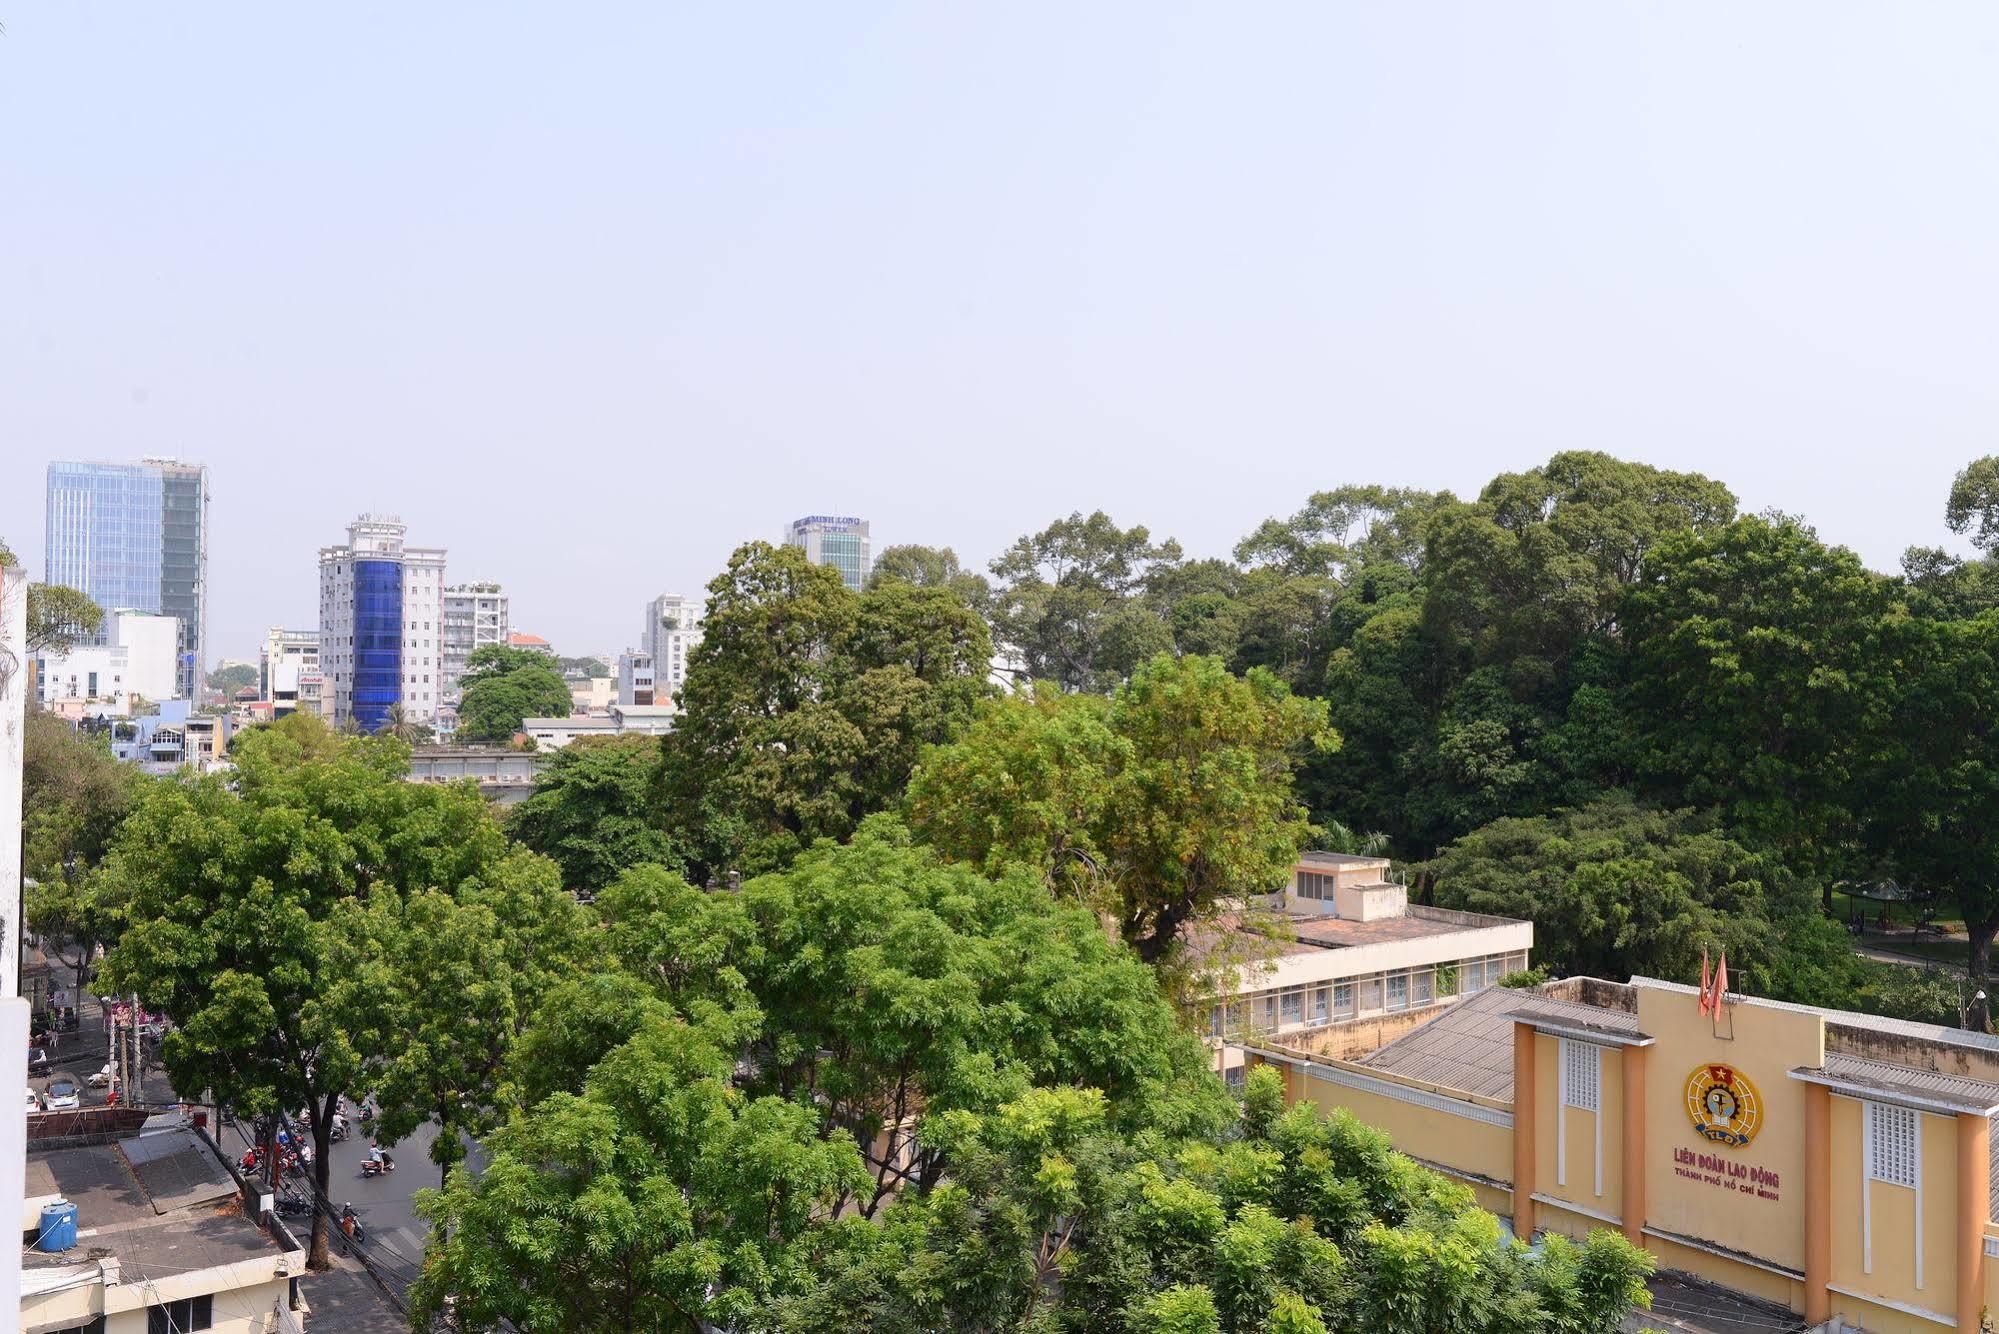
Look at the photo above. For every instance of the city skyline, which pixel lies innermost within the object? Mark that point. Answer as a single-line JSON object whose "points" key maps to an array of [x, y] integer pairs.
{"points": [[1207, 269]]}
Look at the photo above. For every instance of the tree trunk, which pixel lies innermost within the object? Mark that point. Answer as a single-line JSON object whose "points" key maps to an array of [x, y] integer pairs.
{"points": [[1978, 1016], [322, 1172]]}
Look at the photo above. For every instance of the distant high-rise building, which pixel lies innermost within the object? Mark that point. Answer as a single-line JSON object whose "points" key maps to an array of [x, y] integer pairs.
{"points": [[636, 681], [290, 657], [474, 614], [672, 629], [380, 615], [836, 540], [134, 536]]}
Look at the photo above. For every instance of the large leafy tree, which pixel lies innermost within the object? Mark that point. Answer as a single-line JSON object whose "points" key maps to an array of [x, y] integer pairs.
{"points": [[253, 919], [74, 797], [932, 567], [503, 685], [1159, 804], [1615, 889], [232, 678], [1933, 797], [655, 1198], [1761, 664], [899, 984], [1072, 601], [593, 811], [462, 976], [806, 705]]}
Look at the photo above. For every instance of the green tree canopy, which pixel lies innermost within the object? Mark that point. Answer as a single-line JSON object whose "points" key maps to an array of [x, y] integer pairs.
{"points": [[74, 798], [593, 811], [232, 678], [932, 567], [806, 705], [1072, 601], [1052, 1221], [255, 907], [1614, 890], [1159, 804], [502, 686], [1760, 673]]}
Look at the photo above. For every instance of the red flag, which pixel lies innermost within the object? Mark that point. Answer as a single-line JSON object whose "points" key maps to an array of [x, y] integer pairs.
{"points": [[1704, 980], [1720, 983]]}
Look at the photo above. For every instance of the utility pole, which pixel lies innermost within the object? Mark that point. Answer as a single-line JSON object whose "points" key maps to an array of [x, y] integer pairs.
{"points": [[138, 1057]]}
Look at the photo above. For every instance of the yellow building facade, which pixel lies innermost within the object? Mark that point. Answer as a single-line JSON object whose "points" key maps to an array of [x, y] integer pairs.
{"points": [[1838, 1164]]}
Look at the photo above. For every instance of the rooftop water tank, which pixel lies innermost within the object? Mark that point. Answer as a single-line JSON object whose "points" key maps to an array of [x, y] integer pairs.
{"points": [[58, 1230]]}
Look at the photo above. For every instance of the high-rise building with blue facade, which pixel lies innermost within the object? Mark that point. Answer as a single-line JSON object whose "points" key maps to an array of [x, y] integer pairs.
{"points": [[134, 536], [381, 614], [836, 540]]}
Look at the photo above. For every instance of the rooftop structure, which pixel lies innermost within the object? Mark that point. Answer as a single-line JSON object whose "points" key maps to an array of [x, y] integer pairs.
{"points": [[1352, 946], [161, 1234], [616, 720]]}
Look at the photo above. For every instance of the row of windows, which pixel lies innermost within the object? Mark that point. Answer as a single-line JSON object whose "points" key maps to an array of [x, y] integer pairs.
{"points": [[1392, 992]]}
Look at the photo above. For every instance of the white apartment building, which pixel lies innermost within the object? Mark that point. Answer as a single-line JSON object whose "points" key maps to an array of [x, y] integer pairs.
{"points": [[474, 614], [672, 629], [381, 611], [140, 657], [288, 657], [1361, 950]]}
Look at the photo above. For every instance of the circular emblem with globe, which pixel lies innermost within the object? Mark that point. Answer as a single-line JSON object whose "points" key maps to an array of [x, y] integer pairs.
{"points": [[1723, 1105]]}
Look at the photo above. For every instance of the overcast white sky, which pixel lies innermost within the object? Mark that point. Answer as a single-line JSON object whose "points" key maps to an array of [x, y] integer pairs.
{"points": [[589, 294]]}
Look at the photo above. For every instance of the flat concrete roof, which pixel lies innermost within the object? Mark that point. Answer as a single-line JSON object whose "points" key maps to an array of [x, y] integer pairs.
{"points": [[1339, 859], [158, 1204]]}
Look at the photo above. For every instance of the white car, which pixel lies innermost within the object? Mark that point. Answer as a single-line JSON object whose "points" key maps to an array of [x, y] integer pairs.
{"points": [[64, 1095], [34, 1101]]}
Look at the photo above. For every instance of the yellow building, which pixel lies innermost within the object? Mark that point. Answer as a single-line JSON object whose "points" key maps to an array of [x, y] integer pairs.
{"points": [[1839, 1164]]}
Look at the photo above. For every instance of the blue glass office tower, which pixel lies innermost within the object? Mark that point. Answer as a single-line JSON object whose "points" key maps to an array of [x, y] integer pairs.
{"points": [[381, 626], [378, 641], [135, 535]]}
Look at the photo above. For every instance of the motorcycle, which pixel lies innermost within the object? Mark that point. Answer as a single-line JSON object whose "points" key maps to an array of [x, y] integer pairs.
{"points": [[372, 1167], [350, 1225], [292, 1208]]}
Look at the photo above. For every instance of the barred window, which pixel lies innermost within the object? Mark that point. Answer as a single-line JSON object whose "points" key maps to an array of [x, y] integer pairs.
{"points": [[1891, 1144], [1582, 1068]]}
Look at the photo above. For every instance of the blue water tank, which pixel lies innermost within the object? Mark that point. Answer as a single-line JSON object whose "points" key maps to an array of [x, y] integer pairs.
{"points": [[58, 1227]]}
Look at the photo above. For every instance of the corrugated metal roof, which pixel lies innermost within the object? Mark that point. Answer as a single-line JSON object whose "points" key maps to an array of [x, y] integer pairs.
{"points": [[1953, 1092], [1468, 1047]]}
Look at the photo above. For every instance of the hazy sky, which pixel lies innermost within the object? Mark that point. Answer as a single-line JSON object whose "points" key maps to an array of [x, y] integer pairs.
{"points": [[591, 293]]}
